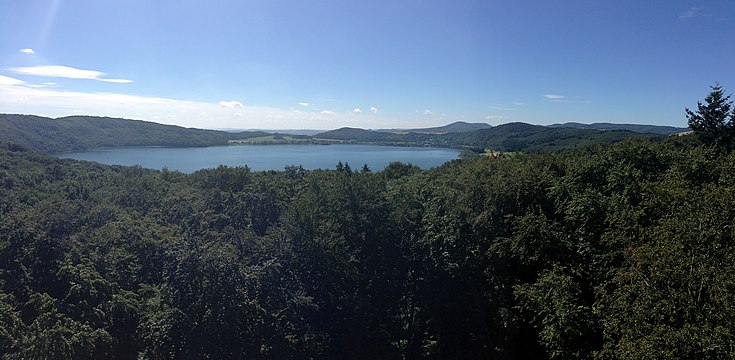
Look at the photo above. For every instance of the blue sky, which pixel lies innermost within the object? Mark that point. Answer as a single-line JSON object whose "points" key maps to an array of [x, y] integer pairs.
{"points": [[276, 64]]}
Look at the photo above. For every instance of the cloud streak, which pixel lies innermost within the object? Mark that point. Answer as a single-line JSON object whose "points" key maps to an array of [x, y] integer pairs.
{"points": [[552, 97], [231, 104], [694, 12], [8, 81], [27, 51], [564, 99], [18, 96], [65, 72]]}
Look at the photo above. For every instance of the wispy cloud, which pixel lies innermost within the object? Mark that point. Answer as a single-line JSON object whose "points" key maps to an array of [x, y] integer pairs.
{"points": [[66, 72], [357, 111], [18, 96], [693, 12], [304, 103], [27, 51], [8, 81], [231, 104], [428, 112], [552, 97], [564, 99], [373, 110]]}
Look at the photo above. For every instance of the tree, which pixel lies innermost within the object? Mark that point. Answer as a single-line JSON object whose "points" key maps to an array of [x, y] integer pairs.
{"points": [[713, 121]]}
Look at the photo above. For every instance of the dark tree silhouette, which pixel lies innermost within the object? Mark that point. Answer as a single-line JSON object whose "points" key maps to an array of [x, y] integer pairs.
{"points": [[713, 120]]}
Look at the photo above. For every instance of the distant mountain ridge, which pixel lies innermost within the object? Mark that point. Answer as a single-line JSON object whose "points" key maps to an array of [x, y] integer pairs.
{"points": [[457, 126], [655, 129], [89, 132], [508, 137]]}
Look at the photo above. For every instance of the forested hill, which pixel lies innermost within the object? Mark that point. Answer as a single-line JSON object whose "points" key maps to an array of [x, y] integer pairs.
{"points": [[362, 135], [506, 137], [457, 126], [537, 138], [622, 251], [656, 129], [86, 132]]}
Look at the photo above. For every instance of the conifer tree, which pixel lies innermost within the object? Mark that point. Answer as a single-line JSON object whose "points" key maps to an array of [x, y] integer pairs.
{"points": [[713, 121]]}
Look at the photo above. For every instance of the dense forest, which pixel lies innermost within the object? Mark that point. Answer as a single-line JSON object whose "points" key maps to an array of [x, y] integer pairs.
{"points": [[621, 251]]}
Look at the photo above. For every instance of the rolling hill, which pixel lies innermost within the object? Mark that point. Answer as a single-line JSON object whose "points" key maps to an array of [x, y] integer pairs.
{"points": [[507, 137], [655, 129], [88, 132], [458, 126]]}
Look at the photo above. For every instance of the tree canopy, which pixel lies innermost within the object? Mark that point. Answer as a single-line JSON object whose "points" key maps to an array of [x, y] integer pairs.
{"points": [[617, 252]]}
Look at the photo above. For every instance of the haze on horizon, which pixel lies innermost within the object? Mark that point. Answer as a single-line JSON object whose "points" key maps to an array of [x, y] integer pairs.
{"points": [[275, 64]]}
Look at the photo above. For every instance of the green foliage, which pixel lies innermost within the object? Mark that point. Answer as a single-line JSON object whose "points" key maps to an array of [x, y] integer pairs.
{"points": [[616, 251], [554, 303], [714, 121]]}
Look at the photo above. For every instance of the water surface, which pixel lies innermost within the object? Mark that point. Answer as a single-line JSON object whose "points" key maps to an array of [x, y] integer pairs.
{"points": [[266, 157]]}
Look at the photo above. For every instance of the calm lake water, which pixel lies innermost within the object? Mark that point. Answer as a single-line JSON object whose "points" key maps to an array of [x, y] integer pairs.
{"points": [[266, 157]]}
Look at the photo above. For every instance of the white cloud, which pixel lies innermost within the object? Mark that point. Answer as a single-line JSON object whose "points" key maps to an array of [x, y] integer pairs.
{"points": [[428, 112], [304, 103], [8, 81], [231, 104], [373, 110], [20, 97], [65, 72], [27, 51], [552, 97], [357, 111], [117, 81], [37, 85]]}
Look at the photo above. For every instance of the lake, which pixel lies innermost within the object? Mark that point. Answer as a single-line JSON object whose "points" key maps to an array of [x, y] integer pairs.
{"points": [[266, 157]]}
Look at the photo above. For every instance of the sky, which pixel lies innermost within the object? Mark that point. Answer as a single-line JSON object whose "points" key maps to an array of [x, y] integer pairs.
{"points": [[277, 64]]}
